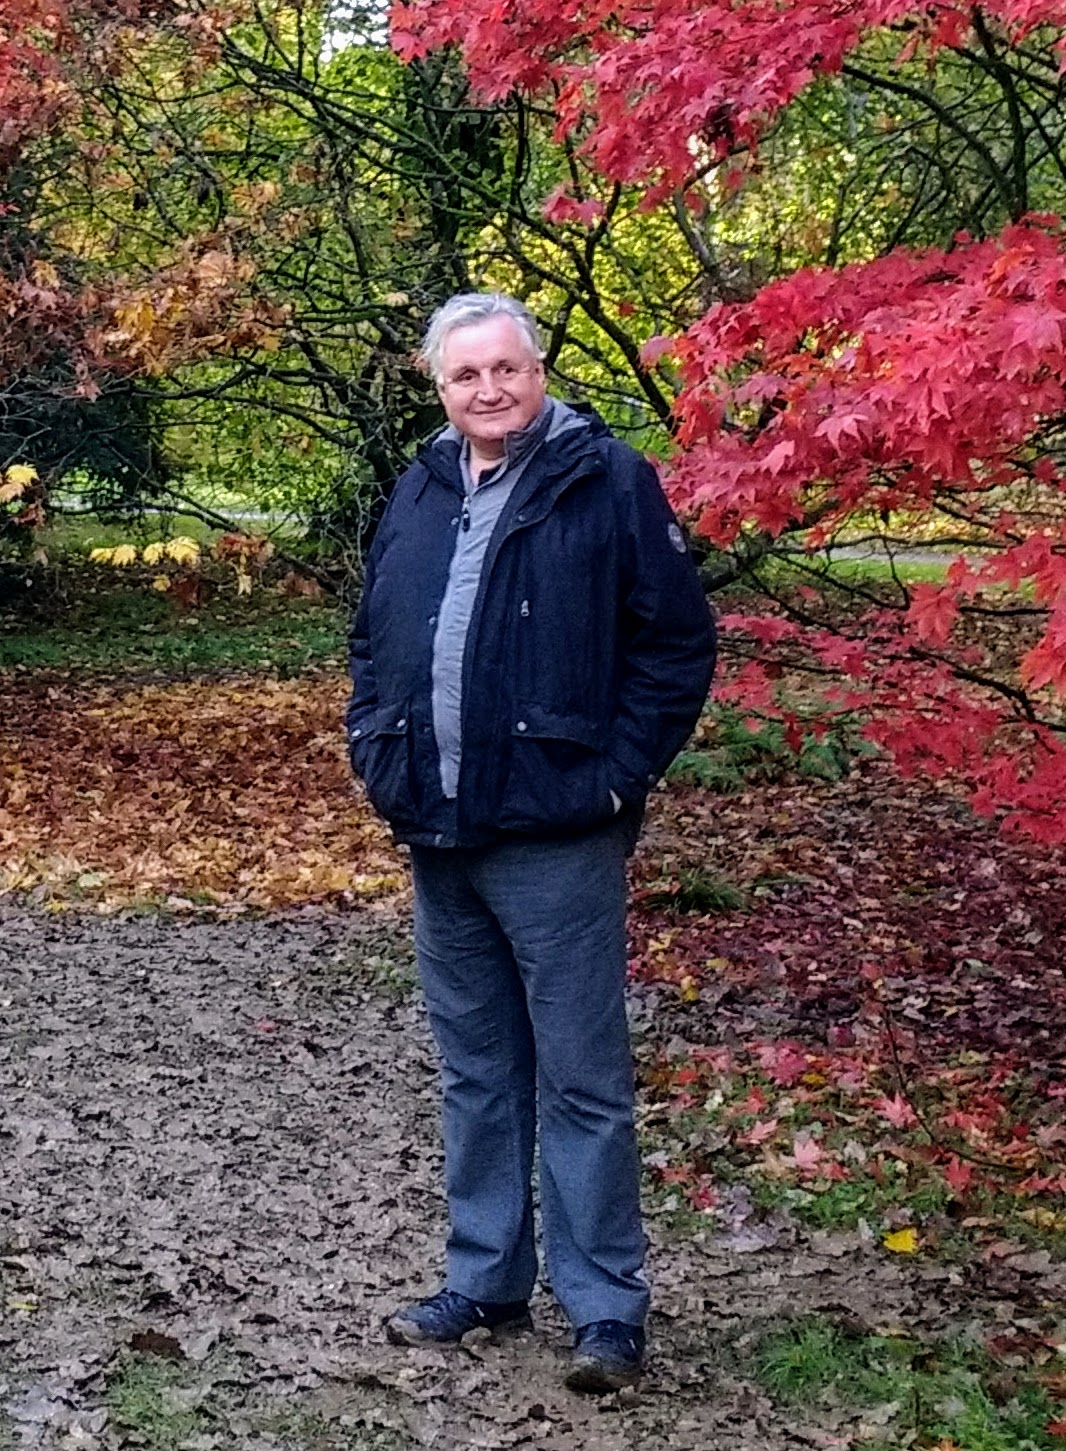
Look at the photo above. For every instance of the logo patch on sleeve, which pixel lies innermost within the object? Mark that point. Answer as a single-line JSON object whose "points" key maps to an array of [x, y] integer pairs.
{"points": [[677, 539]]}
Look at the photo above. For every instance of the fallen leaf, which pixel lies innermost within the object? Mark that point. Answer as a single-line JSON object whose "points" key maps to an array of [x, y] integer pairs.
{"points": [[902, 1241]]}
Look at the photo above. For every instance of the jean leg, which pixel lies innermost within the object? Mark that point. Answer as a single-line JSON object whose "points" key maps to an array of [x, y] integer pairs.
{"points": [[478, 1015], [562, 906]]}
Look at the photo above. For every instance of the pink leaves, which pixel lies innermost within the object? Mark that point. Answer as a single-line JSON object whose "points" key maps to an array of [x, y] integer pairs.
{"points": [[562, 206], [655, 348], [959, 1175], [759, 1132], [807, 1154], [896, 1111], [784, 1063], [932, 613]]}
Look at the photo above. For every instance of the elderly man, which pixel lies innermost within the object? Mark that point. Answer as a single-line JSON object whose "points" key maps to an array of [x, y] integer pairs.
{"points": [[531, 649]]}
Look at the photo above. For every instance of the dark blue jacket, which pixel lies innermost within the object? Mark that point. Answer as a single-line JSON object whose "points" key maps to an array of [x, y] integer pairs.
{"points": [[589, 654]]}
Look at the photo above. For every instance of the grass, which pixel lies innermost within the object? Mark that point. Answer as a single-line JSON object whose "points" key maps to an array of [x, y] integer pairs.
{"points": [[122, 625], [941, 1393], [77, 534], [876, 571], [883, 571], [163, 1405], [694, 890], [859, 1199], [158, 1401]]}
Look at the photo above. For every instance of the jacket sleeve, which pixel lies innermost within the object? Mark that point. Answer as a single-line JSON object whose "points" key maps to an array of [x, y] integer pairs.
{"points": [[668, 639]]}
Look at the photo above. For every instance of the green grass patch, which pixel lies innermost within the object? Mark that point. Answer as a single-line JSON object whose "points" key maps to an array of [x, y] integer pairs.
{"points": [[77, 534], [108, 625], [862, 1198], [924, 1393], [874, 572], [158, 1401], [694, 890], [167, 1405], [879, 571]]}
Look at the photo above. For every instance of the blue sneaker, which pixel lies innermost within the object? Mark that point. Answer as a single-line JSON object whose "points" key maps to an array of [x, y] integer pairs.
{"points": [[448, 1316], [607, 1356]]}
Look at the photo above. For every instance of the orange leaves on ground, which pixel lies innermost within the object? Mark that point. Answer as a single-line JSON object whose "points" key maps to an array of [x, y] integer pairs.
{"points": [[233, 792]]}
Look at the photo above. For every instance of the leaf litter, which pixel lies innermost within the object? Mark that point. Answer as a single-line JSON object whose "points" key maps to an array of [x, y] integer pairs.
{"points": [[219, 1133]]}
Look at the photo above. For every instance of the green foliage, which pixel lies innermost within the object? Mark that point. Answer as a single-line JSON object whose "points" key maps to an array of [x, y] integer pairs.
{"points": [[736, 750], [953, 1391]]}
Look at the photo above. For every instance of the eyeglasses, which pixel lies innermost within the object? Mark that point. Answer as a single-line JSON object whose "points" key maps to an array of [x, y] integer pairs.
{"points": [[469, 380]]}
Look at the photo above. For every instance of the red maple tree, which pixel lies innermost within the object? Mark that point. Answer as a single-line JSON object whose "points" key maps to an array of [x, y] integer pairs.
{"points": [[924, 381]]}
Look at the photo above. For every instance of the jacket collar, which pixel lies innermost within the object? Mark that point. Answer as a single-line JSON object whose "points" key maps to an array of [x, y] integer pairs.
{"points": [[564, 457]]}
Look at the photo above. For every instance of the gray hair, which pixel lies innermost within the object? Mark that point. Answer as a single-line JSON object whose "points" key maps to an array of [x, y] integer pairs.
{"points": [[466, 308]]}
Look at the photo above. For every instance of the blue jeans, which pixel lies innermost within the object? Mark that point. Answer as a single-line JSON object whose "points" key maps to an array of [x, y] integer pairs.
{"points": [[521, 951]]}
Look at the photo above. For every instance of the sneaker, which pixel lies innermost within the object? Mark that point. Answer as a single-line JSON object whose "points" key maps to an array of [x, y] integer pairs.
{"points": [[607, 1356], [448, 1316]]}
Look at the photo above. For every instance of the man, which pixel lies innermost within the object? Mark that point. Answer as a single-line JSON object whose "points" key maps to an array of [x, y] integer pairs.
{"points": [[531, 649]]}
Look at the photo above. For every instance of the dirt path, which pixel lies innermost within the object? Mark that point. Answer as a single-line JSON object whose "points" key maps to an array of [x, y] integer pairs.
{"points": [[225, 1134]]}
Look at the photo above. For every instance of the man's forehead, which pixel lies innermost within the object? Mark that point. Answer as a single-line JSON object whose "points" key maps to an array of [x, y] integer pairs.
{"points": [[500, 335]]}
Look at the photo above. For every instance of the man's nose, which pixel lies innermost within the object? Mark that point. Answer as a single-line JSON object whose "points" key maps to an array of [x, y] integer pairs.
{"points": [[488, 385]]}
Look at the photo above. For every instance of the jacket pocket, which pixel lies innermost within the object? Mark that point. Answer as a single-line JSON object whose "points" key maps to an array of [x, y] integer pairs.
{"points": [[557, 779], [379, 747]]}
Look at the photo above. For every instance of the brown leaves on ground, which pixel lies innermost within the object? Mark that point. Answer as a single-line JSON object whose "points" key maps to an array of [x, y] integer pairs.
{"points": [[234, 792]]}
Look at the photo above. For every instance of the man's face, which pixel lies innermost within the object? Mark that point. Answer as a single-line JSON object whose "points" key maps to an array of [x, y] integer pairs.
{"points": [[492, 382]]}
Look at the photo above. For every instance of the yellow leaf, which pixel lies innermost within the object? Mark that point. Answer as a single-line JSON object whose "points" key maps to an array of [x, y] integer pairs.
{"points": [[124, 554], [183, 550], [153, 553], [10, 491], [17, 1303], [244, 582], [136, 318], [161, 583], [44, 274], [902, 1242], [22, 474], [371, 884], [690, 991], [100, 556]]}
